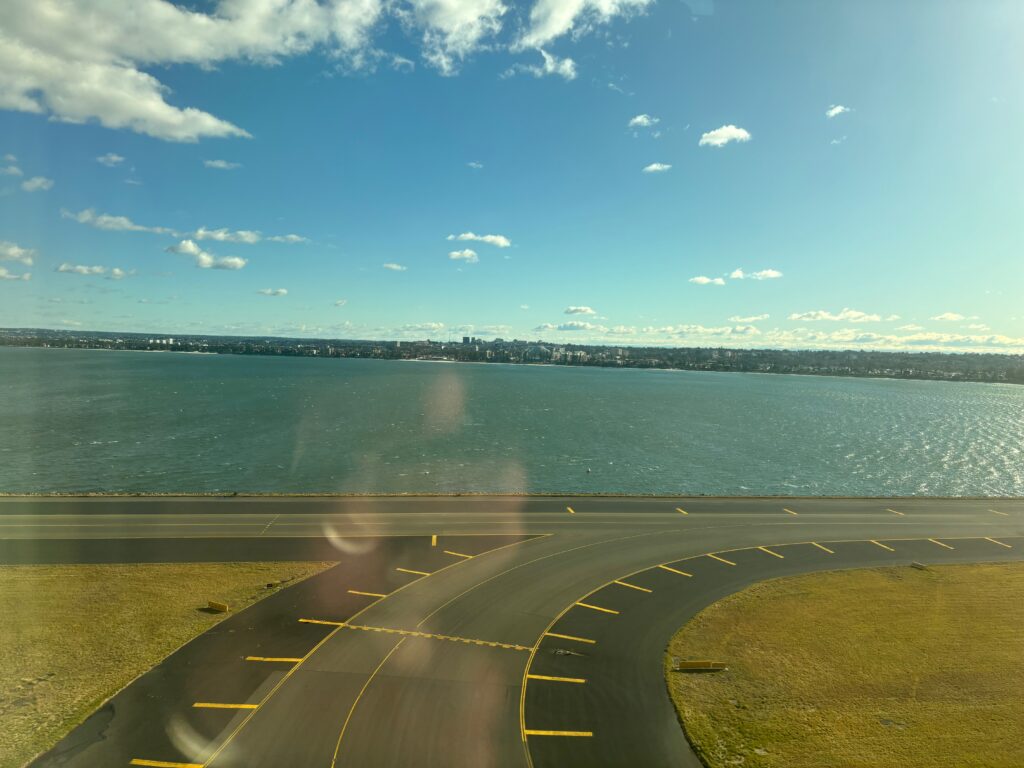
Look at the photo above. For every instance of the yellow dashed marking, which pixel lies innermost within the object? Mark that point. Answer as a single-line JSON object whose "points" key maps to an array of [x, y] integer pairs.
{"points": [[773, 554], [597, 608], [283, 659], [786, 509], [413, 633], [410, 570], [570, 510], [936, 541], [997, 512], [1001, 544], [433, 540], [675, 570], [880, 544], [557, 679], [530, 732], [365, 594], [570, 637], [681, 511], [214, 705], [457, 554], [632, 586], [720, 559], [163, 764], [823, 549], [895, 511]]}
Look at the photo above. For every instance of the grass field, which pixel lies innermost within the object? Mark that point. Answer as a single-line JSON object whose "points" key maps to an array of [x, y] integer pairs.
{"points": [[73, 635], [879, 668]]}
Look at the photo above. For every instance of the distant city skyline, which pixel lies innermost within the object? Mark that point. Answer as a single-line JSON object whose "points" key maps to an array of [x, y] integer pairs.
{"points": [[624, 172]]}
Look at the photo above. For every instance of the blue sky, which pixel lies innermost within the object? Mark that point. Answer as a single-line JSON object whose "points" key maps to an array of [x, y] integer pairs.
{"points": [[252, 166]]}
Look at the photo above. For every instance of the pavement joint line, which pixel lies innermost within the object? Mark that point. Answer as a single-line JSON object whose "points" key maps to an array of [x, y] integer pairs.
{"points": [[675, 570], [787, 509], [163, 764], [557, 679], [531, 732], [713, 556], [880, 544], [282, 659], [895, 512], [365, 594], [571, 637], [458, 554], [218, 705], [597, 608], [936, 541], [824, 549], [681, 511], [773, 554], [632, 586], [1001, 544], [410, 570]]}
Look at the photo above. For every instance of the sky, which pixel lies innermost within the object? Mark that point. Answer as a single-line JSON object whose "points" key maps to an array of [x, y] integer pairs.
{"points": [[743, 174]]}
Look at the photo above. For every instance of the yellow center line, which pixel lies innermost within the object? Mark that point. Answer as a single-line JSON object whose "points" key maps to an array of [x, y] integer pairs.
{"points": [[675, 570], [283, 659], [557, 679], [880, 544], [935, 541], [530, 732], [410, 570], [415, 633], [365, 594], [214, 705], [823, 549], [577, 639], [597, 608], [773, 554], [996, 511], [326, 623], [163, 764], [720, 559], [894, 511], [785, 509], [681, 511], [632, 586], [457, 554], [570, 510], [1001, 544], [433, 540]]}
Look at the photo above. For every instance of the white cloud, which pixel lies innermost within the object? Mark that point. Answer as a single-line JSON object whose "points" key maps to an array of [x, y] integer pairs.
{"points": [[413, 328], [341, 302], [228, 236], [722, 136], [571, 326], [656, 168], [13, 252], [288, 239], [748, 318], [836, 142], [499, 240], [765, 274], [892, 318], [116, 273], [977, 327], [835, 110], [846, 315], [580, 311], [205, 260], [273, 291], [475, 165], [10, 170], [453, 29], [550, 65], [113, 223], [394, 267], [221, 165], [911, 327], [643, 121], [737, 274], [9, 158], [37, 184], [5, 274], [111, 273], [524, 306], [550, 19], [704, 280], [467, 255], [110, 159], [949, 316]]}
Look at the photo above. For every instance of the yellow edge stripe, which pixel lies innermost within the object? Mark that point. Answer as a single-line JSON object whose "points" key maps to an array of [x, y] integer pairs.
{"points": [[365, 594], [433, 540], [457, 554], [785, 509], [675, 570], [573, 637], [1001, 544], [214, 705], [570, 510], [895, 512], [320, 621], [825, 549], [557, 679], [773, 554], [721, 559], [163, 764], [936, 541], [596, 608], [879, 544], [681, 511], [632, 586], [530, 732], [410, 570], [996, 511], [289, 660]]}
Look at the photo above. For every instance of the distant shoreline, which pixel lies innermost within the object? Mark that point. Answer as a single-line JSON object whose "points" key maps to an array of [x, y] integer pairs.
{"points": [[473, 494]]}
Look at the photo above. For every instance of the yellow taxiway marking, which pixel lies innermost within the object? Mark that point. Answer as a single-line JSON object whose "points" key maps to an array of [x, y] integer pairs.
{"points": [[283, 659], [163, 764], [530, 732], [880, 544], [321, 621], [597, 608], [214, 705], [557, 679], [936, 541], [786, 509], [572, 637], [823, 549], [720, 559], [414, 633], [773, 554], [457, 554], [632, 586], [1001, 544], [895, 511], [570, 510], [433, 540], [681, 511], [675, 570], [996, 511], [365, 594], [410, 570]]}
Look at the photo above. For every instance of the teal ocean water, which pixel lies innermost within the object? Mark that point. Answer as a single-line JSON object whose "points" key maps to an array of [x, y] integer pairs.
{"points": [[81, 420]]}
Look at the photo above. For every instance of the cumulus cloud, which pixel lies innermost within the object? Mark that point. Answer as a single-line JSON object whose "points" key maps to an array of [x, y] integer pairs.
{"points": [[949, 317], [524, 306], [420, 328], [762, 274], [6, 274], [273, 291], [571, 326], [911, 327], [643, 121], [748, 318], [394, 267], [13, 252], [580, 311], [835, 110], [228, 236], [705, 280], [467, 255], [722, 136], [111, 273], [221, 165], [550, 19], [656, 168], [499, 240], [452, 30], [113, 223], [10, 170], [550, 65], [846, 315], [110, 159], [475, 165], [205, 260], [37, 183], [977, 327], [288, 239]]}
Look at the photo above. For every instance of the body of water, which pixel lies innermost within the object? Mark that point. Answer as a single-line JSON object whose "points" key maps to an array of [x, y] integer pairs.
{"points": [[94, 421]]}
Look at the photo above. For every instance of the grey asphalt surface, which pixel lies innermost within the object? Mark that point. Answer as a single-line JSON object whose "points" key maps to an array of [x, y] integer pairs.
{"points": [[444, 697]]}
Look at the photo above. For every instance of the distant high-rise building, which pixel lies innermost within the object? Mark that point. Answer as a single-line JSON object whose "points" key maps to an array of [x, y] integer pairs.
{"points": [[467, 340]]}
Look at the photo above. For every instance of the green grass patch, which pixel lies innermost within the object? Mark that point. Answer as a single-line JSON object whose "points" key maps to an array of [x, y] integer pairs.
{"points": [[73, 635], [879, 668]]}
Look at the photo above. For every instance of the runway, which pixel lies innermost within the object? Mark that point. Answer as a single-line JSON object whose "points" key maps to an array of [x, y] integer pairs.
{"points": [[465, 631]]}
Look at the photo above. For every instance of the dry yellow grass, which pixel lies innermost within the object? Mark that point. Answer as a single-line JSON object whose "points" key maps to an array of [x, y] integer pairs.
{"points": [[880, 668], [73, 635]]}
